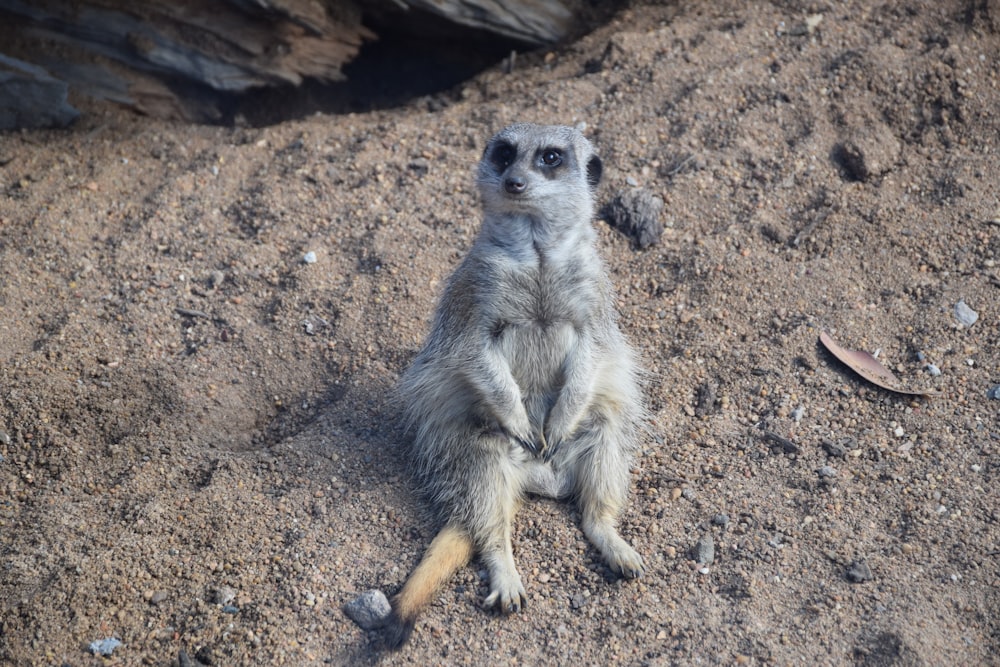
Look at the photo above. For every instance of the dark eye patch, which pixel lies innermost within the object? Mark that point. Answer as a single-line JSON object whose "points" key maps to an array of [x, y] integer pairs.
{"points": [[503, 155]]}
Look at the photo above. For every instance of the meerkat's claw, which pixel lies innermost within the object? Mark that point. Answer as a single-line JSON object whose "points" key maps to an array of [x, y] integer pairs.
{"points": [[526, 444], [628, 563], [543, 442], [508, 601], [506, 590]]}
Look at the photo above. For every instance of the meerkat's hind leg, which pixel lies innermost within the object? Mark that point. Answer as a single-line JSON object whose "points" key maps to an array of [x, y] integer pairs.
{"points": [[601, 485], [506, 590], [489, 516], [599, 526]]}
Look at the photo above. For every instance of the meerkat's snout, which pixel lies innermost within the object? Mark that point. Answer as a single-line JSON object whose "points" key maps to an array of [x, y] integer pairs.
{"points": [[515, 185]]}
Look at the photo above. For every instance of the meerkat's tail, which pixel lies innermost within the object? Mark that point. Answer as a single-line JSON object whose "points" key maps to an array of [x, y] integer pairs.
{"points": [[449, 550]]}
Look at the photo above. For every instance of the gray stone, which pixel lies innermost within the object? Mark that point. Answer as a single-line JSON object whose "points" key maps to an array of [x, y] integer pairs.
{"points": [[704, 550], [369, 610], [859, 572], [965, 315], [834, 448]]}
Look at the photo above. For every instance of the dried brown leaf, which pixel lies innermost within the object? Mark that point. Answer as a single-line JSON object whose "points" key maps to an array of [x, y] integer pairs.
{"points": [[870, 368]]}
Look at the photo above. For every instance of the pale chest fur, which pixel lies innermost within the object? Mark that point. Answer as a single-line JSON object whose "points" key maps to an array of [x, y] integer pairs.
{"points": [[541, 310]]}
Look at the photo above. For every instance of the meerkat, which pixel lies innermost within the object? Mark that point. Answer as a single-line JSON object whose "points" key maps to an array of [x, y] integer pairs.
{"points": [[525, 384]]}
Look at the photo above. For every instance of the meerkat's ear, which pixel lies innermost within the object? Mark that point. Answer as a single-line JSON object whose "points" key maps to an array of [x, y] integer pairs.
{"points": [[594, 170]]}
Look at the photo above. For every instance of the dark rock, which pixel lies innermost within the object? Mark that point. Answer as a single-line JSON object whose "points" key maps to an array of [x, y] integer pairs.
{"points": [[704, 550], [707, 403], [859, 572], [832, 448], [636, 213]]}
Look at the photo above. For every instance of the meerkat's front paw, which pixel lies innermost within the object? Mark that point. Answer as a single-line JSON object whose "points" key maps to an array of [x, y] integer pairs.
{"points": [[559, 426], [506, 593], [519, 429]]}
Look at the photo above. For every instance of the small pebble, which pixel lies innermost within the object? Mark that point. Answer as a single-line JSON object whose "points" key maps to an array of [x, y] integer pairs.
{"points": [[688, 493], [898, 432], [827, 471], [921, 356], [369, 610], [230, 609], [309, 257], [798, 413], [157, 597], [933, 370], [994, 393], [834, 448], [859, 572], [4, 437], [965, 315], [721, 520], [420, 165], [104, 647], [215, 279], [224, 595], [704, 551]]}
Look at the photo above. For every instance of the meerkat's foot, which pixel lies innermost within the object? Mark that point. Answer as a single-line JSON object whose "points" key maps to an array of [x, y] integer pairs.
{"points": [[506, 591], [617, 553], [625, 560]]}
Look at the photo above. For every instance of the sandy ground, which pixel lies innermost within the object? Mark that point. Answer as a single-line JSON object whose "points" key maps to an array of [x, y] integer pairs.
{"points": [[198, 455]]}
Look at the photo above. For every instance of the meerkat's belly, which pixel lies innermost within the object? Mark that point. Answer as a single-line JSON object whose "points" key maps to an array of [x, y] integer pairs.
{"points": [[536, 353]]}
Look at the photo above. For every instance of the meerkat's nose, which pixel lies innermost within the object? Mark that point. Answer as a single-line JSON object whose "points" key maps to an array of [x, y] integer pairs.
{"points": [[515, 185]]}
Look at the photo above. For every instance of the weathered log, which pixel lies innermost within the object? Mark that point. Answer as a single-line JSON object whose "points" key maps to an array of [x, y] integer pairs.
{"points": [[29, 97], [213, 42], [179, 58], [534, 22], [161, 48]]}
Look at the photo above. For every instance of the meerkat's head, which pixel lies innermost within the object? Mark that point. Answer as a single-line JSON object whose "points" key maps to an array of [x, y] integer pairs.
{"points": [[547, 172]]}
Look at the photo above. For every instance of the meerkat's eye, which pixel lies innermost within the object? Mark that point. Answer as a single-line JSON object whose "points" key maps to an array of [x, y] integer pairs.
{"points": [[503, 155], [551, 157]]}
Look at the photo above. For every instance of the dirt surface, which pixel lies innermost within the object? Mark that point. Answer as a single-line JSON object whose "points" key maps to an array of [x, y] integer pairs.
{"points": [[198, 454]]}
